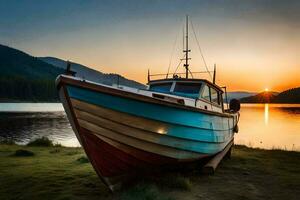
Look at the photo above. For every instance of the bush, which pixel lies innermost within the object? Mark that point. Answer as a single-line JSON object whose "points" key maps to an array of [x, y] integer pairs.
{"points": [[7, 142], [23, 153], [83, 159], [41, 142], [58, 145]]}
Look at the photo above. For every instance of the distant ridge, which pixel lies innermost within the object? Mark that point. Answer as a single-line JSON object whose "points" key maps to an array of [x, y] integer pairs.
{"points": [[288, 96], [238, 95], [91, 74]]}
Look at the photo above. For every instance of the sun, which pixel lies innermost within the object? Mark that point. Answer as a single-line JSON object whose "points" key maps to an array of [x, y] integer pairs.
{"points": [[266, 89]]}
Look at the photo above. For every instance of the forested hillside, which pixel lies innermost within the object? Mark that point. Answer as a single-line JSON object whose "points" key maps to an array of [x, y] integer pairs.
{"points": [[288, 96], [26, 78]]}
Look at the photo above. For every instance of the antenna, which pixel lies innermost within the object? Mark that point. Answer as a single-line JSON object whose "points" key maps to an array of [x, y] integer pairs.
{"points": [[215, 70], [187, 50]]}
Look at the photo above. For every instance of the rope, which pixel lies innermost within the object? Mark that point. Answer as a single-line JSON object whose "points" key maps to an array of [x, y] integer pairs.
{"points": [[200, 49]]}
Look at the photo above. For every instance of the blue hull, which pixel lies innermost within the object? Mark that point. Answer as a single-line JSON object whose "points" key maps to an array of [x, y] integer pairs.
{"points": [[198, 132]]}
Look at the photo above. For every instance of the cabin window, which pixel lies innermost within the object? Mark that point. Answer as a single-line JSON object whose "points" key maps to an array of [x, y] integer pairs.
{"points": [[162, 87], [190, 88], [206, 94], [214, 96]]}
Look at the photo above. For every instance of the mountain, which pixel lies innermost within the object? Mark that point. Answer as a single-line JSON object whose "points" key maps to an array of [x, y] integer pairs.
{"points": [[263, 97], [24, 77], [288, 96], [14, 62], [239, 95], [91, 74], [27, 78]]}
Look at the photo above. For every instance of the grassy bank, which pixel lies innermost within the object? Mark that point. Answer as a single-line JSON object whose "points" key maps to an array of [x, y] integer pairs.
{"points": [[30, 172]]}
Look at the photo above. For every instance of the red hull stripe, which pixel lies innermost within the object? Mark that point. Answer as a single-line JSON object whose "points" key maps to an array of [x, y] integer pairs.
{"points": [[110, 161]]}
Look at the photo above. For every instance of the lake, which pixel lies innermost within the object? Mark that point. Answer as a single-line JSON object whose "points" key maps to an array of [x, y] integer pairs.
{"points": [[23, 122], [261, 125]]}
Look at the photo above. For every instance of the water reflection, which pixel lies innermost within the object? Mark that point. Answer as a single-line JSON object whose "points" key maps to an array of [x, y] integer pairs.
{"points": [[266, 114], [270, 126], [261, 125]]}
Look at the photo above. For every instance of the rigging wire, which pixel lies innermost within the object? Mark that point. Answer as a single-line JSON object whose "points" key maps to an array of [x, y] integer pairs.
{"points": [[200, 49], [172, 53], [178, 65], [191, 73]]}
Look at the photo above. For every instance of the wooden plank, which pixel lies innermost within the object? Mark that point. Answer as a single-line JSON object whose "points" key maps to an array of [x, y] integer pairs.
{"points": [[211, 166], [122, 118], [141, 144], [161, 139], [147, 124]]}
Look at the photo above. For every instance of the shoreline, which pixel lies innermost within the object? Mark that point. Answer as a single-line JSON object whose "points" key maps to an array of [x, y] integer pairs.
{"points": [[23, 101], [58, 101], [65, 173]]}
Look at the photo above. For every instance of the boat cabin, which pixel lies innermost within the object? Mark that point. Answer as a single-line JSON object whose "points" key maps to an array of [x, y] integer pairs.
{"points": [[199, 93], [196, 89]]}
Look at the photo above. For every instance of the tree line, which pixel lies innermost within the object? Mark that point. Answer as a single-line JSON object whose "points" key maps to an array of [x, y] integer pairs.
{"points": [[14, 88]]}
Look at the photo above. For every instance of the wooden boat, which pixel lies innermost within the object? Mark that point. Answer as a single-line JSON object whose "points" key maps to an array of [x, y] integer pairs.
{"points": [[125, 131]]}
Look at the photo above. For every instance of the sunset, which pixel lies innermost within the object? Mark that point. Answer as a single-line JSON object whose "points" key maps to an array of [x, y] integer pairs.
{"points": [[149, 99], [245, 39]]}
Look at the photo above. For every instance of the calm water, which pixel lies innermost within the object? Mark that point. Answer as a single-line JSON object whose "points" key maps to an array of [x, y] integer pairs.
{"points": [[23, 122], [261, 125], [270, 126]]}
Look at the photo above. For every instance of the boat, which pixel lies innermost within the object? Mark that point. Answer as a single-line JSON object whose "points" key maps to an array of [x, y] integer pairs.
{"points": [[126, 131]]}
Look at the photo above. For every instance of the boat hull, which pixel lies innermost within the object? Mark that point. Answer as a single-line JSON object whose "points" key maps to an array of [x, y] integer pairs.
{"points": [[124, 134]]}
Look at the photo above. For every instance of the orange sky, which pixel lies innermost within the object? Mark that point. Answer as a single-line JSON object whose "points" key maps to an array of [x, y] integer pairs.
{"points": [[246, 60], [255, 44]]}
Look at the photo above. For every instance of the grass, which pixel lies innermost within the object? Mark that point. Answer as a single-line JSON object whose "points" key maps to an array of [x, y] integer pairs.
{"points": [[57, 172], [176, 181], [143, 191], [41, 142]]}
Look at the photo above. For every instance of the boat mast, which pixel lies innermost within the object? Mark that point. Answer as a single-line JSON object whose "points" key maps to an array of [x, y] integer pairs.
{"points": [[187, 50]]}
